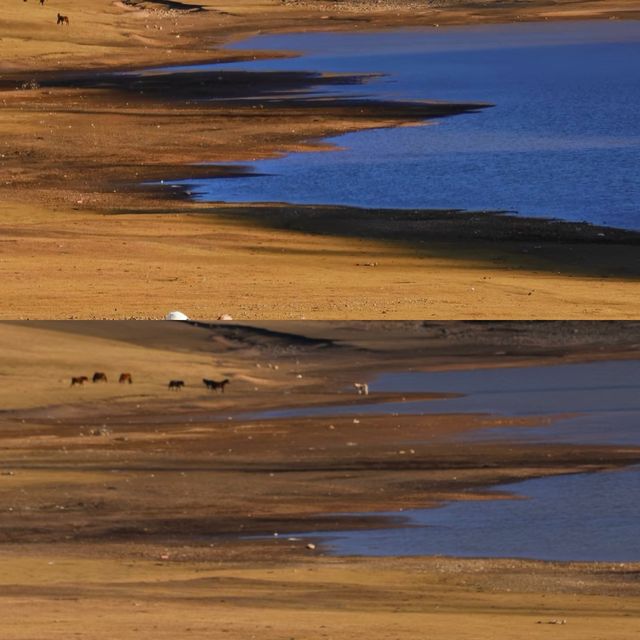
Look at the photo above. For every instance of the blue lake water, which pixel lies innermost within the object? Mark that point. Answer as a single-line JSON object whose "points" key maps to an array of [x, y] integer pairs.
{"points": [[604, 395], [563, 139], [590, 517], [582, 517]]}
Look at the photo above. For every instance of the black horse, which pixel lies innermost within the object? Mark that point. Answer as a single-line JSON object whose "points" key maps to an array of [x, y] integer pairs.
{"points": [[214, 385]]}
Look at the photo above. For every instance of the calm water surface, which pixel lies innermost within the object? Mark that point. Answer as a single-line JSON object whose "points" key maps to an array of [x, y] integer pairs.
{"points": [[590, 517], [604, 395], [587, 517], [562, 140]]}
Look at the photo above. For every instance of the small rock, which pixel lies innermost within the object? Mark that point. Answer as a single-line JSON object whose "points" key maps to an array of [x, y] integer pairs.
{"points": [[176, 315], [102, 431]]}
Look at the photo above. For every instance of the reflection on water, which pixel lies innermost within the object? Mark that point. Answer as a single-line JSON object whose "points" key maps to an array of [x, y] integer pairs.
{"points": [[588, 517], [563, 139]]}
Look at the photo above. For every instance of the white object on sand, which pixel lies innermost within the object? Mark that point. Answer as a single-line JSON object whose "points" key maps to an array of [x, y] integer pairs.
{"points": [[176, 315]]}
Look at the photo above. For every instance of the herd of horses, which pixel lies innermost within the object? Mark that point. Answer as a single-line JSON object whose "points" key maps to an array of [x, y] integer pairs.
{"points": [[362, 388], [99, 376], [212, 385], [176, 385], [61, 19]]}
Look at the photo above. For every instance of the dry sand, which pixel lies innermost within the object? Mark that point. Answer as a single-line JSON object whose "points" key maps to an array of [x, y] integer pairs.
{"points": [[72, 153], [134, 532]]}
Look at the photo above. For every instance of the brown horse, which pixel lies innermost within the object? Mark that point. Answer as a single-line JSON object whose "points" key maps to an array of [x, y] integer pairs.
{"points": [[176, 384], [98, 376], [125, 377], [78, 380], [214, 385], [62, 19]]}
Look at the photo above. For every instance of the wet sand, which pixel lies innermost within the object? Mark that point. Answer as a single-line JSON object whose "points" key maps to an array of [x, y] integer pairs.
{"points": [[81, 239], [126, 505]]}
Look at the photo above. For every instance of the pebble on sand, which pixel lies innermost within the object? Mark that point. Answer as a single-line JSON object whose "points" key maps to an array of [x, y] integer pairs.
{"points": [[176, 315]]}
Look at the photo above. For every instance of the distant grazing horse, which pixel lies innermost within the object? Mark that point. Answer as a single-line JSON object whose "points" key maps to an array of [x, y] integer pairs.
{"points": [[98, 376], [125, 377], [176, 384], [42, 3], [362, 388], [62, 19], [214, 385], [78, 380]]}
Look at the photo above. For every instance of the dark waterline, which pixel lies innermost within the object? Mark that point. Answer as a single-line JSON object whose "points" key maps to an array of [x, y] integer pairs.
{"points": [[562, 141]]}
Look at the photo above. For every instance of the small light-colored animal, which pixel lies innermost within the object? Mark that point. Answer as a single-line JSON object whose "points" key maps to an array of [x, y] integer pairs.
{"points": [[176, 384], [125, 377], [362, 388], [98, 376], [78, 380], [214, 385], [62, 19]]}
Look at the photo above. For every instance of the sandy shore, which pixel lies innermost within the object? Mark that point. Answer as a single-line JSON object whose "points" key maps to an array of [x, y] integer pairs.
{"points": [[80, 239], [125, 505]]}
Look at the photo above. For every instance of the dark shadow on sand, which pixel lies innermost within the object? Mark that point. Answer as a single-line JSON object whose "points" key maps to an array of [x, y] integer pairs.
{"points": [[485, 238], [168, 4]]}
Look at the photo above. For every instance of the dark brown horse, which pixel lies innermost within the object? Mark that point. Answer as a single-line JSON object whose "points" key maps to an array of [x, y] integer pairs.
{"points": [[125, 377], [176, 384], [98, 376], [62, 19], [214, 385], [78, 380]]}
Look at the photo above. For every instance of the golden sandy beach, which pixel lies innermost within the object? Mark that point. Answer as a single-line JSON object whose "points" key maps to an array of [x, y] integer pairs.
{"points": [[124, 506], [81, 239]]}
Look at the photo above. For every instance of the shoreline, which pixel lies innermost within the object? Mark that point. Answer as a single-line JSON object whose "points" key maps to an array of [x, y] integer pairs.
{"points": [[107, 141], [219, 24], [109, 514], [146, 417], [346, 524]]}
